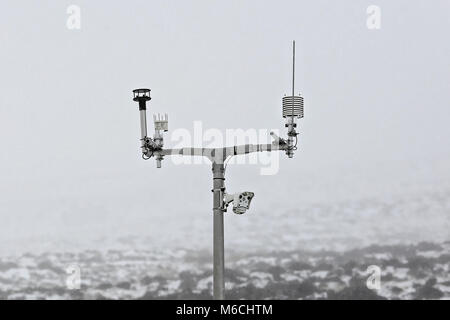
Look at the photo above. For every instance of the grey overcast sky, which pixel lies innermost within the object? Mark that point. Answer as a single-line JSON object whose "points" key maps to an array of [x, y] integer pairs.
{"points": [[376, 102]]}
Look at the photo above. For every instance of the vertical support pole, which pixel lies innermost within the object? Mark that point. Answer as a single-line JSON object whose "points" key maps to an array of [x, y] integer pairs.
{"points": [[143, 118], [218, 231]]}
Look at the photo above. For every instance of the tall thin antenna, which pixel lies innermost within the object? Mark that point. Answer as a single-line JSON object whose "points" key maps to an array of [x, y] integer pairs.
{"points": [[293, 68], [293, 76]]}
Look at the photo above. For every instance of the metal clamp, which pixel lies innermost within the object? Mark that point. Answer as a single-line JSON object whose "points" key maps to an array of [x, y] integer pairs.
{"points": [[220, 205]]}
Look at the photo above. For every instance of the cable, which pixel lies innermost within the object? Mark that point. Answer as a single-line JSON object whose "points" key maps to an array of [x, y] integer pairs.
{"points": [[145, 157]]}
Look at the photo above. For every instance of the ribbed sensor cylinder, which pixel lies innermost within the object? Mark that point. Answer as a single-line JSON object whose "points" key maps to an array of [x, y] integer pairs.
{"points": [[293, 106]]}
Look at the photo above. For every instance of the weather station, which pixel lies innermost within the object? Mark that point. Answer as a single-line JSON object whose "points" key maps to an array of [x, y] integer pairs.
{"points": [[153, 147]]}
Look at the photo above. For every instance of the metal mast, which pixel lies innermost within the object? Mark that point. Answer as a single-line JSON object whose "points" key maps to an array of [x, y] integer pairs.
{"points": [[154, 147]]}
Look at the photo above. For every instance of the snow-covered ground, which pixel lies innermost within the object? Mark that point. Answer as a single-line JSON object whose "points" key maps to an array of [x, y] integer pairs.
{"points": [[407, 272], [317, 250]]}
